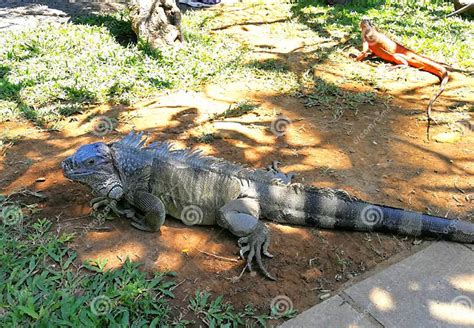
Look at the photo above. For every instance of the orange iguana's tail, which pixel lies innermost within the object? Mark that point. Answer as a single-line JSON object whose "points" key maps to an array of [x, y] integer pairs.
{"points": [[444, 80], [429, 65]]}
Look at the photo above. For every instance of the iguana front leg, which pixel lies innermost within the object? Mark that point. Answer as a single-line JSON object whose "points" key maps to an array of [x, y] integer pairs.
{"points": [[154, 209], [109, 204], [365, 49], [240, 217], [147, 203]]}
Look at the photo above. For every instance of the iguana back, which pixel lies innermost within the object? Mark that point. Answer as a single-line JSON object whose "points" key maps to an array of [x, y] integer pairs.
{"points": [[180, 185]]}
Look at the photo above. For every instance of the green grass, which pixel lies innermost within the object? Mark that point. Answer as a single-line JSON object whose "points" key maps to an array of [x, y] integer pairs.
{"points": [[419, 25], [43, 285], [95, 60], [236, 110], [271, 64], [51, 72], [318, 93]]}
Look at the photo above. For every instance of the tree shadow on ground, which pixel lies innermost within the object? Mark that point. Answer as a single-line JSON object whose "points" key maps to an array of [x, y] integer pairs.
{"points": [[11, 92], [70, 97], [118, 24]]}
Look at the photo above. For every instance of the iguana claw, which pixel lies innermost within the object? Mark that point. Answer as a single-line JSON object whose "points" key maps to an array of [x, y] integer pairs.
{"points": [[138, 220], [256, 243], [97, 202], [108, 204]]}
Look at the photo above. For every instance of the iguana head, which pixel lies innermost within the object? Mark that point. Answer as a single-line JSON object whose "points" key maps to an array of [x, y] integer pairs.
{"points": [[366, 23], [93, 165]]}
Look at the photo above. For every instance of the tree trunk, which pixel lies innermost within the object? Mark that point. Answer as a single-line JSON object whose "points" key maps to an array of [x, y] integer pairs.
{"points": [[157, 22], [467, 5]]}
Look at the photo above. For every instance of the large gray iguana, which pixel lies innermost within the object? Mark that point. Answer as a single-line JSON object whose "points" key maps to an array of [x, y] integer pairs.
{"points": [[155, 180]]}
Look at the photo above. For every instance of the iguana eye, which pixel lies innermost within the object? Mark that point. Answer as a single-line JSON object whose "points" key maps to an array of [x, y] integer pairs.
{"points": [[91, 161]]}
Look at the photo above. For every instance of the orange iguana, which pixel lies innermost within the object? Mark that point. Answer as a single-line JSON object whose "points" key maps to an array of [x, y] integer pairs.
{"points": [[389, 50]]}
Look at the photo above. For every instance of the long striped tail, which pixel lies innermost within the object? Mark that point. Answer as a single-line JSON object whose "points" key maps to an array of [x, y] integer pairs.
{"points": [[335, 209], [336, 212]]}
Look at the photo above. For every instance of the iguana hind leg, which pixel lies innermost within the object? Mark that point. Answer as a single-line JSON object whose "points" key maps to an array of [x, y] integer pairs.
{"points": [[240, 217], [400, 59]]}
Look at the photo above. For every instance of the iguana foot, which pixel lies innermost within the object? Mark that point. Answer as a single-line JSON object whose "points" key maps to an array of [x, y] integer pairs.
{"points": [[256, 243], [98, 202], [138, 220], [110, 205], [141, 226]]}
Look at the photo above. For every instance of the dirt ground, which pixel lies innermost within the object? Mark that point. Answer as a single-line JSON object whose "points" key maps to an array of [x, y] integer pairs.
{"points": [[391, 163]]}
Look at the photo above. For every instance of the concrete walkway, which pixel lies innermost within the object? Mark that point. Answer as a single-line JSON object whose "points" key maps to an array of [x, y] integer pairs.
{"points": [[432, 288]]}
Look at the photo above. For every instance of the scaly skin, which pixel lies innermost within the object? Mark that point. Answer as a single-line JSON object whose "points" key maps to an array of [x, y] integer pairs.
{"points": [[387, 49], [154, 181]]}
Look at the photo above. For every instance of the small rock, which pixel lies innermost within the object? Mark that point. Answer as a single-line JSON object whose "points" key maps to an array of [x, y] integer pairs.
{"points": [[447, 137], [324, 296]]}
